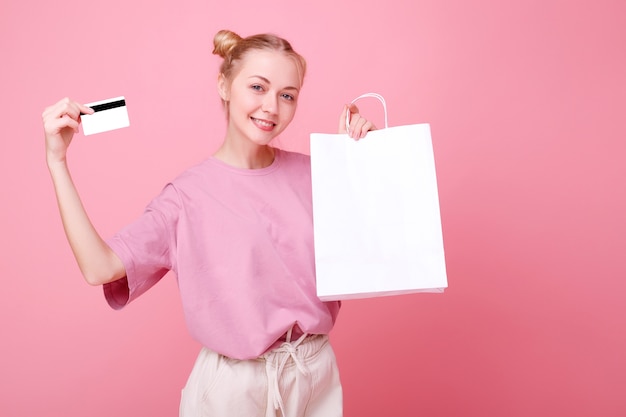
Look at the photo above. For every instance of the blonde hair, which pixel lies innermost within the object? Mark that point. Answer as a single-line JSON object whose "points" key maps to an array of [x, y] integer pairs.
{"points": [[233, 48]]}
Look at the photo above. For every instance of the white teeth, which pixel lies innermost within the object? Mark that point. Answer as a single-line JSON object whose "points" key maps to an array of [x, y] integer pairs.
{"points": [[264, 123]]}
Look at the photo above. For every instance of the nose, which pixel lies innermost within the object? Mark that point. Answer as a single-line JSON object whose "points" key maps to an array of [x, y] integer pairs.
{"points": [[269, 103]]}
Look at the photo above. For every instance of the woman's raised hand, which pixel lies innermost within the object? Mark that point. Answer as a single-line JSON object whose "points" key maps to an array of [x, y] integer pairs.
{"points": [[358, 126], [60, 122]]}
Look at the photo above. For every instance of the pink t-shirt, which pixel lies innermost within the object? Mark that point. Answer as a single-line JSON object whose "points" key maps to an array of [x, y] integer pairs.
{"points": [[241, 245]]}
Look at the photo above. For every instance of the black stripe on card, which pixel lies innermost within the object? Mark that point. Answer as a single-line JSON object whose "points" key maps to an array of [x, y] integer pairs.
{"points": [[107, 106]]}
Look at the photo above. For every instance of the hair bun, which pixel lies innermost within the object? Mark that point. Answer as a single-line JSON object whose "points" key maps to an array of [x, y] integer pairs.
{"points": [[224, 42]]}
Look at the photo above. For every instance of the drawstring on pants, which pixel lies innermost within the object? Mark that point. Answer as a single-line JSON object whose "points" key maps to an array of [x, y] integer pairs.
{"points": [[275, 362]]}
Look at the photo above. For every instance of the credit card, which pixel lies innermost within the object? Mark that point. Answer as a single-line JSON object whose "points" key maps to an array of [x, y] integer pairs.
{"points": [[108, 115]]}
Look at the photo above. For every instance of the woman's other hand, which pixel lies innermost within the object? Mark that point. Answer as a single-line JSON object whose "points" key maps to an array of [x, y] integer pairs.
{"points": [[60, 122], [358, 126]]}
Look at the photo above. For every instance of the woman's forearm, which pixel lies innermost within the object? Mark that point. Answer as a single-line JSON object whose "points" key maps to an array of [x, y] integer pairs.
{"points": [[97, 262]]}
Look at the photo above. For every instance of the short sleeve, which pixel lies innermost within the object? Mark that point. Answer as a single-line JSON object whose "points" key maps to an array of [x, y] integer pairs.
{"points": [[146, 248]]}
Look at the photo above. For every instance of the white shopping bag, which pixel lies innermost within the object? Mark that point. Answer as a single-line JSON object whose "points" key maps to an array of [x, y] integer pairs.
{"points": [[377, 224]]}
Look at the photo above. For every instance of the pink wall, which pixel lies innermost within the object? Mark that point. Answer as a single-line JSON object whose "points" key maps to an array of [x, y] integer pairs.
{"points": [[527, 104]]}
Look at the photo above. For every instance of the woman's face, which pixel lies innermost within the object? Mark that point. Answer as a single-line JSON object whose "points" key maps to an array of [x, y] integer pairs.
{"points": [[262, 96]]}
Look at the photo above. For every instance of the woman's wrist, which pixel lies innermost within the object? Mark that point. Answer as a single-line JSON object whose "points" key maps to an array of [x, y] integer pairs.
{"points": [[56, 163]]}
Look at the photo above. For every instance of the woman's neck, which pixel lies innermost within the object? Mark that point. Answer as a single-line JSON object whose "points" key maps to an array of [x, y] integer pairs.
{"points": [[247, 157]]}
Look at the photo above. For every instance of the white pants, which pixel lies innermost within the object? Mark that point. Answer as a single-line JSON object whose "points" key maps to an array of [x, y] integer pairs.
{"points": [[298, 379]]}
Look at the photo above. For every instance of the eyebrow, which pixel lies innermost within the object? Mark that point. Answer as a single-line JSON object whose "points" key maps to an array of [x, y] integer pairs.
{"points": [[268, 82]]}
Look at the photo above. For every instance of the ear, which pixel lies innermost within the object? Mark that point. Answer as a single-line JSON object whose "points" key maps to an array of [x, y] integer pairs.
{"points": [[223, 87]]}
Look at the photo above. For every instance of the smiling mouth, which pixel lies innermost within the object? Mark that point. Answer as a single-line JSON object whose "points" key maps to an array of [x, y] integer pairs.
{"points": [[264, 124]]}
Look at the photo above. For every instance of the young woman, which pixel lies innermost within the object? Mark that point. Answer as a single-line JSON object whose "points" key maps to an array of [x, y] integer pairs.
{"points": [[237, 230]]}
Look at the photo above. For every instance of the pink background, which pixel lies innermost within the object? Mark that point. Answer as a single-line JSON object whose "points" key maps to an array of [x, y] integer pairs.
{"points": [[527, 105]]}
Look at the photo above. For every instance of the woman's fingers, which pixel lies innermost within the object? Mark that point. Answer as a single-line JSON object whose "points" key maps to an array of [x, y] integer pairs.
{"points": [[353, 111], [63, 114], [353, 108], [62, 122], [357, 126], [66, 107]]}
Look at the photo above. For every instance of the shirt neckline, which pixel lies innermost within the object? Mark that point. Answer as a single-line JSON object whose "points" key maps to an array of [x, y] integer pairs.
{"points": [[247, 171]]}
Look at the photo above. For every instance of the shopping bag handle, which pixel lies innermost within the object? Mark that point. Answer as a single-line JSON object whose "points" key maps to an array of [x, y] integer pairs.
{"points": [[366, 95]]}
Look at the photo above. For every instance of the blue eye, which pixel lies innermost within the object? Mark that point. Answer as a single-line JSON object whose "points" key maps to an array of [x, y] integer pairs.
{"points": [[256, 87], [288, 97]]}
